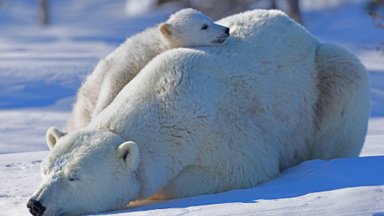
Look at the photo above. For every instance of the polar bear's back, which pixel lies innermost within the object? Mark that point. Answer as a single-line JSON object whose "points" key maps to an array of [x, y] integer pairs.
{"points": [[269, 33]]}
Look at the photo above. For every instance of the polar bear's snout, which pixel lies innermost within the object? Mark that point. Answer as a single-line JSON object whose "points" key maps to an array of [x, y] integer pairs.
{"points": [[226, 31], [223, 35], [35, 207]]}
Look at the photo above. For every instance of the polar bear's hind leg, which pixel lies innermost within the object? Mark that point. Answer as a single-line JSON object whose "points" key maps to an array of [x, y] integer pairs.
{"points": [[342, 109]]}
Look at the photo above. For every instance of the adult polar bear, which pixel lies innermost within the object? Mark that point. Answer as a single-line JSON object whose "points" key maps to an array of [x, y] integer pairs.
{"points": [[206, 120]]}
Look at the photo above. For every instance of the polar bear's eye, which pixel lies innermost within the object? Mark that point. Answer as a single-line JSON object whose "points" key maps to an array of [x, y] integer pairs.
{"points": [[73, 178], [204, 27]]}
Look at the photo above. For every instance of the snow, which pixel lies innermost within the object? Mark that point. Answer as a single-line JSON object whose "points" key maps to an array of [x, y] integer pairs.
{"points": [[41, 69]]}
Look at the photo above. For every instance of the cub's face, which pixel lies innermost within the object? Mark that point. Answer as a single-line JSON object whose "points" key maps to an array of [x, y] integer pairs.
{"points": [[190, 27], [88, 171]]}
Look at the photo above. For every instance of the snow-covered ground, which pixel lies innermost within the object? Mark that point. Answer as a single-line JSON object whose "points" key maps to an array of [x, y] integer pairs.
{"points": [[41, 69]]}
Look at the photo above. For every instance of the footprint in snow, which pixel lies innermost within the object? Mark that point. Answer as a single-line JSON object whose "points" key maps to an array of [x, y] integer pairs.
{"points": [[23, 165]]}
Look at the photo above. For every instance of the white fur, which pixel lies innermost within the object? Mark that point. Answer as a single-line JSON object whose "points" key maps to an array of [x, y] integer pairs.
{"points": [[343, 105], [212, 119], [182, 29]]}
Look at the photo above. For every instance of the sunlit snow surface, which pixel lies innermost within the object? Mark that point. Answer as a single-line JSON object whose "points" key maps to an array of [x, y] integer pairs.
{"points": [[42, 68]]}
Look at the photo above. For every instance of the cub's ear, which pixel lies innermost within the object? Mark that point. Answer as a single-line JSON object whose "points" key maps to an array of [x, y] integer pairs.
{"points": [[165, 29], [52, 136], [129, 153]]}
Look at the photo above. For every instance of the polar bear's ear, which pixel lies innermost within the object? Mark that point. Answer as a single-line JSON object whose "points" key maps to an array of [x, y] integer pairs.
{"points": [[165, 29], [52, 135], [129, 153]]}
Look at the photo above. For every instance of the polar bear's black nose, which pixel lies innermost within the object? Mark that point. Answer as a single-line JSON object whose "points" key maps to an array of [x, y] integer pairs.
{"points": [[35, 207], [227, 31]]}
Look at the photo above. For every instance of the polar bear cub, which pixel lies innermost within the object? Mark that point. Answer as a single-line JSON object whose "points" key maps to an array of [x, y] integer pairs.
{"points": [[186, 28]]}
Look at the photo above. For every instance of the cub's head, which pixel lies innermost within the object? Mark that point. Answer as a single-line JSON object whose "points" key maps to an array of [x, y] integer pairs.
{"points": [[189, 27], [86, 171]]}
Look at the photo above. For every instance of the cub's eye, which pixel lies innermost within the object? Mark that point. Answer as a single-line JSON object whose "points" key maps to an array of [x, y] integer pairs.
{"points": [[204, 27]]}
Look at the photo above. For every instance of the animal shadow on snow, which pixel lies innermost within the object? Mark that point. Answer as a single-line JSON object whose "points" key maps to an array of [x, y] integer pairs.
{"points": [[307, 177]]}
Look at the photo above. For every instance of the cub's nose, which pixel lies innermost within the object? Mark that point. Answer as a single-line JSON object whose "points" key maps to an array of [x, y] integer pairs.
{"points": [[226, 31], [35, 207]]}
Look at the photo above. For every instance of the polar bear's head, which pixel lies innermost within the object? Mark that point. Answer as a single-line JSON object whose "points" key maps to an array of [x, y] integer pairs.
{"points": [[189, 27], [86, 171]]}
